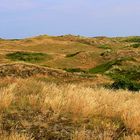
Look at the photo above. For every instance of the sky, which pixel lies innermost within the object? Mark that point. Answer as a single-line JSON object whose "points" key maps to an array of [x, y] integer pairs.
{"points": [[25, 18]]}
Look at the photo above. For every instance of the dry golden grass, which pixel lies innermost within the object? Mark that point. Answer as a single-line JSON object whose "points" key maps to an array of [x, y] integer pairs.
{"points": [[15, 136], [132, 137], [35, 110], [6, 97], [80, 113]]}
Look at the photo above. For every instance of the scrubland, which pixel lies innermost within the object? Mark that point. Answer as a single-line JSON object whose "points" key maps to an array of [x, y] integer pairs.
{"points": [[32, 109], [70, 88]]}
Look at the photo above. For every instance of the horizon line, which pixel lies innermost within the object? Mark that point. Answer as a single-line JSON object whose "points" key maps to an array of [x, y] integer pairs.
{"points": [[96, 36]]}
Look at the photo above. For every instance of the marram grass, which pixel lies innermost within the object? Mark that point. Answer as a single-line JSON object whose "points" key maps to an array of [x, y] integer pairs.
{"points": [[31, 109]]}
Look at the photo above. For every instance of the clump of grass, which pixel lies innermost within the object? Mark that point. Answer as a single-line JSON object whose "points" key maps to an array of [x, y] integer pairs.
{"points": [[27, 56], [104, 46], [6, 97], [15, 136], [132, 137]]}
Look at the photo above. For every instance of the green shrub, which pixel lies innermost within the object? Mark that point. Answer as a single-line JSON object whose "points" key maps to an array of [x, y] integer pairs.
{"points": [[126, 79], [135, 45], [131, 74], [126, 84], [27, 56]]}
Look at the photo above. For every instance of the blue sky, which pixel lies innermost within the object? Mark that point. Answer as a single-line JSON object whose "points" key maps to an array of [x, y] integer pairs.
{"points": [[24, 18]]}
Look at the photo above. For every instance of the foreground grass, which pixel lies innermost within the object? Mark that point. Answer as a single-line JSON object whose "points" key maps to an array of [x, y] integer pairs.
{"points": [[32, 109]]}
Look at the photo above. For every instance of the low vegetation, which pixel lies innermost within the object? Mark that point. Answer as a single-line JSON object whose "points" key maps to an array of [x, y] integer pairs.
{"points": [[133, 39], [124, 83], [104, 47], [136, 45], [31, 109], [105, 66], [27, 56], [70, 88], [79, 39], [126, 79]]}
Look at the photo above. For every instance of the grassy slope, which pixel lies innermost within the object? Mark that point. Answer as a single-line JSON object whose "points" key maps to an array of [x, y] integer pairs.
{"points": [[68, 45], [49, 111], [49, 106], [94, 55], [60, 47]]}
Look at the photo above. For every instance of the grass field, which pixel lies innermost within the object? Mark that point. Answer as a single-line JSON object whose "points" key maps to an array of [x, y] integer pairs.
{"points": [[40, 110], [70, 88]]}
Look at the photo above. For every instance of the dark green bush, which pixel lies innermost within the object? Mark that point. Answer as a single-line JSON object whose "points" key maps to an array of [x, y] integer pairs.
{"points": [[27, 56], [126, 84], [126, 79], [131, 74], [135, 45]]}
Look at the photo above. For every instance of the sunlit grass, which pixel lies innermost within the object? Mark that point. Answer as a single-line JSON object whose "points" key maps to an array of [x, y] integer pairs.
{"points": [[82, 111]]}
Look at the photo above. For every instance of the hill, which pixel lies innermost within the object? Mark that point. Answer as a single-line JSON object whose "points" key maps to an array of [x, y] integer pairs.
{"points": [[70, 88], [117, 59]]}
